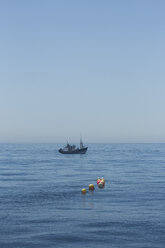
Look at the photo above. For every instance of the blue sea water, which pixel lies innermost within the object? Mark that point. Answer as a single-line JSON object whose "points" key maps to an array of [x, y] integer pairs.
{"points": [[41, 204]]}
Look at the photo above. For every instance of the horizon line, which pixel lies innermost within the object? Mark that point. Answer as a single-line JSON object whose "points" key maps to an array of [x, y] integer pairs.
{"points": [[89, 142]]}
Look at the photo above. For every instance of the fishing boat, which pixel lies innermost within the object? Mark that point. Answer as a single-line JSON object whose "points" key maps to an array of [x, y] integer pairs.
{"points": [[72, 149]]}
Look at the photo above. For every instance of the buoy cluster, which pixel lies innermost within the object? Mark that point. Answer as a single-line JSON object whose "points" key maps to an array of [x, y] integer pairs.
{"points": [[100, 184]]}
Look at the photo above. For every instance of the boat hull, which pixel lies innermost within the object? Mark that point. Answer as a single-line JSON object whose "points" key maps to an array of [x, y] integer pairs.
{"points": [[77, 151]]}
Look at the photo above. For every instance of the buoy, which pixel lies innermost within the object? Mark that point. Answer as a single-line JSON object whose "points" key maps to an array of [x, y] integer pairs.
{"points": [[103, 181], [83, 191], [100, 180], [91, 187], [101, 185]]}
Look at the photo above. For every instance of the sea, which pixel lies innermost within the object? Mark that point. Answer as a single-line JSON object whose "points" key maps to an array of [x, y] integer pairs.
{"points": [[41, 204]]}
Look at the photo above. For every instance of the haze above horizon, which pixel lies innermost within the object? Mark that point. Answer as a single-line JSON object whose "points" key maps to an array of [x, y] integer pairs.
{"points": [[94, 68]]}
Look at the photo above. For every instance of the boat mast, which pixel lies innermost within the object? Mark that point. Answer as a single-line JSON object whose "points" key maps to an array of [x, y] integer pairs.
{"points": [[81, 143]]}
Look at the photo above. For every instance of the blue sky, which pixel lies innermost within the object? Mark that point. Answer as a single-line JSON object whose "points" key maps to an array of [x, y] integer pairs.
{"points": [[87, 67]]}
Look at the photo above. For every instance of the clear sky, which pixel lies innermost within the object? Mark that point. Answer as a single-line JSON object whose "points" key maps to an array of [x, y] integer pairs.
{"points": [[90, 67]]}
